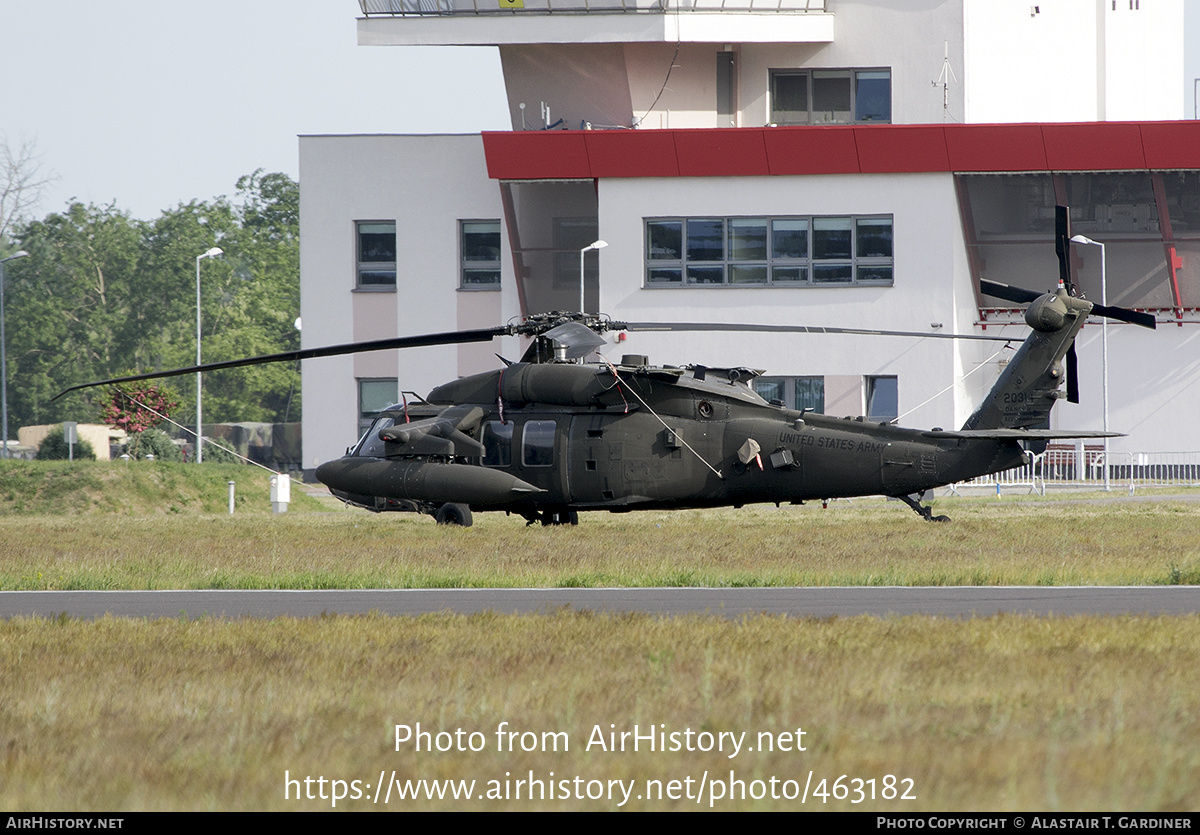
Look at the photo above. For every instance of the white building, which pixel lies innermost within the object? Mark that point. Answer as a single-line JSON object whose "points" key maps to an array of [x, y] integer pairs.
{"points": [[781, 162]]}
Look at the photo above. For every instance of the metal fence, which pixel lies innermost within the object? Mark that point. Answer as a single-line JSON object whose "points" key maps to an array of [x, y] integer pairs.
{"points": [[1087, 468], [417, 8]]}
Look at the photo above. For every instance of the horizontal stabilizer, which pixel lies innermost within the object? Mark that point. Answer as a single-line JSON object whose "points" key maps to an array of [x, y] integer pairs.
{"points": [[1018, 434]]}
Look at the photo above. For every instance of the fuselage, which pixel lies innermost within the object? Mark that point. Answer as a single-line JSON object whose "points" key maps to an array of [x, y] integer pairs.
{"points": [[588, 437]]}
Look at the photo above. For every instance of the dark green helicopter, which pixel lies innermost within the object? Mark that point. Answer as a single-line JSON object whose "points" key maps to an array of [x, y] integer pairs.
{"points": [[551, 435]]}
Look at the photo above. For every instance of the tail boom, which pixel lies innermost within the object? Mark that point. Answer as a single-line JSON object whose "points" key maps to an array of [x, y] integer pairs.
{"points": [[1029, 386]]}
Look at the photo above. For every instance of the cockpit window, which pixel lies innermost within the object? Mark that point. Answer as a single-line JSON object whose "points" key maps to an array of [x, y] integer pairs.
{"points": [[371, 445], [497, 444]]}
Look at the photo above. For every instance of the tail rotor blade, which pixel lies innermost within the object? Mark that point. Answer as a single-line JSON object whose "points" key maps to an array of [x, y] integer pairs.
{"points": [[1062, 246], [1072, 375], [1123, 314], [1007, 292]]}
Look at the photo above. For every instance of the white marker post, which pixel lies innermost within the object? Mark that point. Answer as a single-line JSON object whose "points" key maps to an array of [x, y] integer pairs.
{"points": [[70, 434], [281, 492]]}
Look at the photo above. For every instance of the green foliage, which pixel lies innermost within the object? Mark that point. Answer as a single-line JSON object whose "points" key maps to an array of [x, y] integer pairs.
{"points": [[153, 442], [214, 454], [102, 292], [55, 448]]}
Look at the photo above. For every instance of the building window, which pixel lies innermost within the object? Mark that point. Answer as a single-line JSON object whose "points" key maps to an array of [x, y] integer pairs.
{"points": [[479, 243], [1149, 222], [883, 399], [831, 97], [572, 234], [373, 397], [376, 255], [798, 393], [768, 251]]}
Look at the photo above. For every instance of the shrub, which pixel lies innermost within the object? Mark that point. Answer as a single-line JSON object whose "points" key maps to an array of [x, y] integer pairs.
{"points": [[153, 441], [217, 455], [54, 448]]}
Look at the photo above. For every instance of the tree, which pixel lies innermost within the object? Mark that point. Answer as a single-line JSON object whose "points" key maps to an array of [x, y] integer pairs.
{"points": [[68, 308], [136, 407], [22, 181], [102, 294]]}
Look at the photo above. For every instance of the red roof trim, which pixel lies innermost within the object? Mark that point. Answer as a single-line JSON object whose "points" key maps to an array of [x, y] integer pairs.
{"points": [[863, 149]]}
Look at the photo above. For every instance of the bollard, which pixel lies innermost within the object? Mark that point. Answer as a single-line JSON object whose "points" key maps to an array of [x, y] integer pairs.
{"points": [[231, 485], [281, 492]]}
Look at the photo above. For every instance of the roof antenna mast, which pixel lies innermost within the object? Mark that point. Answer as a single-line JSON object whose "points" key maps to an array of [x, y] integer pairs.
{"points": [[944, 80]]}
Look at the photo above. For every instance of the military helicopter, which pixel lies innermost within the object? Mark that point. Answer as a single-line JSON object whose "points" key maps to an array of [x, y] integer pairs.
{"points": [[552, 435]]}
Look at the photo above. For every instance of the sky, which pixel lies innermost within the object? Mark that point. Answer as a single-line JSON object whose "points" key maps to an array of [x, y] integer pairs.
{"points": [[150, 104]]}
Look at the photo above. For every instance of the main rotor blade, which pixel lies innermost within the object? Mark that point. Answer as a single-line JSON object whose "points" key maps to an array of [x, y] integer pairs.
{"points": [[419, 341], [650, 327]]}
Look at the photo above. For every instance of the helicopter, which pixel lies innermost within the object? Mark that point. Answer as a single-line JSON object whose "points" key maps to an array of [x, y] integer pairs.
{"points": [[552, 435]]}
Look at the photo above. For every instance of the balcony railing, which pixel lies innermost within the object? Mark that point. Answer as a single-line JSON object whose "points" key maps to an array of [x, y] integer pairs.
{"points": [[424, 8]]}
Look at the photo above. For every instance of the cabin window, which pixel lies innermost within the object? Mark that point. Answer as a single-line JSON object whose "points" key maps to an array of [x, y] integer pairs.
{"points": [[794, 392], [769, 251], [480, 253], [538, 443], [376, 248], [831, 97], [497, 444]]}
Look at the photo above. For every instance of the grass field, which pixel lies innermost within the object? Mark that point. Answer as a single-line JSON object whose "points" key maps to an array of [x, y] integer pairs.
{"points": [[868, 542], [1000, 713], [988, 714]]}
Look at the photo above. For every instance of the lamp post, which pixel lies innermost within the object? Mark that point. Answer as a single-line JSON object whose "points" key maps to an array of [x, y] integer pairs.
{"points": [[1081, 239], [582, 252], [3, 356], [212, 253]]}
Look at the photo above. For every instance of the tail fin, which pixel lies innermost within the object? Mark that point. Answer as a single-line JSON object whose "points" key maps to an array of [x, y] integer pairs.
{"points": [[1026, 391]]}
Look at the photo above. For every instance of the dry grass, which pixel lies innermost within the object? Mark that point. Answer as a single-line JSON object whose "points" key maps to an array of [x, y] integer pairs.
{"points": [[869, 542], [998, 713]]}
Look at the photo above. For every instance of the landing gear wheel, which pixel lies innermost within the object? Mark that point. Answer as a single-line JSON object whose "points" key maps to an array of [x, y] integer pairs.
{"points": [[559, 517], [453, 513]]}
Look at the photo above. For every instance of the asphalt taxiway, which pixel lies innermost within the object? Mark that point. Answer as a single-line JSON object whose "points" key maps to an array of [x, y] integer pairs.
{"points": [[820, 602]]}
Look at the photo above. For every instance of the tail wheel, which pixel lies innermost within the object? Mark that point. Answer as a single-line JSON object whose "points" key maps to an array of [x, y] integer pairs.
{"points": [[453, 513]]}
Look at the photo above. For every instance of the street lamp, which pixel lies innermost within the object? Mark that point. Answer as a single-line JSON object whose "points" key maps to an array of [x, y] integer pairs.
{"points": [[1081, 239], [212, 253], [582, 252], [3, 357]]}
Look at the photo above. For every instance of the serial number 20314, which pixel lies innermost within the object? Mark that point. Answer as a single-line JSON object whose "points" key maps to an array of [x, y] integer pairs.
{"points": [[857, 790]]}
